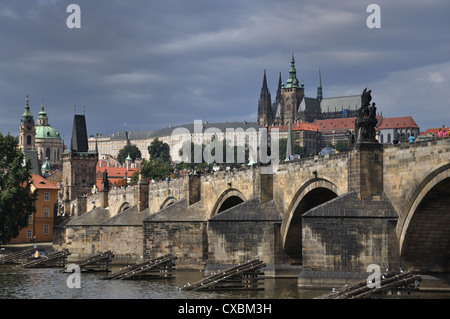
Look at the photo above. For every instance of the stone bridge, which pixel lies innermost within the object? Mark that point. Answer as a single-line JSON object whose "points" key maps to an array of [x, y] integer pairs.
{"points": [[321, 217]]}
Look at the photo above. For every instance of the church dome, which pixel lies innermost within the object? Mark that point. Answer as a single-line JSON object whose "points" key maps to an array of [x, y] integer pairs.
{"points": [[46, 166], [47, 132]]}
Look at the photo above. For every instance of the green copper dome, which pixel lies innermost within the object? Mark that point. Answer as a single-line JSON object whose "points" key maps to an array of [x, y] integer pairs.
{"points": [[46, 132], [46, 166], [27, 117]]}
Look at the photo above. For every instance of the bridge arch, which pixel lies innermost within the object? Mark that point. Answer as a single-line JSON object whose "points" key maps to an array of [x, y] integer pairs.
{"points": [[229, 198], [167, 202], [124, 206], [311, 194], [424, 231]]}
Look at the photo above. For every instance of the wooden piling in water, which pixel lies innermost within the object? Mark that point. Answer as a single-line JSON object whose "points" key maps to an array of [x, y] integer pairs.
{"points": [[160, 267], [56, 259], [98, 263], [362, 290], [245, 276], [14, 258]]}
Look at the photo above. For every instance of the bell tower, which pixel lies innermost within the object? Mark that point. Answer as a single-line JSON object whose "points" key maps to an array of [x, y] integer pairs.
{"points": [[27, 130], [292, 94]]}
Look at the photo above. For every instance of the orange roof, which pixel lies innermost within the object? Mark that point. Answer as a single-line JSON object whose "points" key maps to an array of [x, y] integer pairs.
{"points": [[116, 172], [303, 126], [41, 183], [397, 122], [347, 123], [434, 130]]}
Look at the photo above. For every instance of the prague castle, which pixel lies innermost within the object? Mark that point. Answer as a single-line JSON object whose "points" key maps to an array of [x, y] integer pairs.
{"points": [[292, 106]]}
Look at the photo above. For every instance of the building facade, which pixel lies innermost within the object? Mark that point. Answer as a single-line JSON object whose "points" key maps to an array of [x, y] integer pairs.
{"points": [[40, 225], [175, 136], [400, 128]]}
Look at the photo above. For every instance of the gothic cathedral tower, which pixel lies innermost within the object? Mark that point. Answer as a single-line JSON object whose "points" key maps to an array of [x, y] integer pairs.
{"points": [[27, 130], [291, 95], [265, 116]]}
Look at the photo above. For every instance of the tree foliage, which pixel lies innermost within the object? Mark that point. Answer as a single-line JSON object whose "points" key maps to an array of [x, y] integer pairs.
{"points": [[159, 149], [130, 149], [17, 201], [283, 147]]}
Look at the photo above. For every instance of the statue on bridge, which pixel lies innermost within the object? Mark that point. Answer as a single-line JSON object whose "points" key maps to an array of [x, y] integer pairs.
{"points": [[105, 182], [367, 121]]}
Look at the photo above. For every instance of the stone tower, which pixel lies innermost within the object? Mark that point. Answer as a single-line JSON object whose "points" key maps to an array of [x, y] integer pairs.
{"points": [[292, 94], [79, 164], [27, 130], [265, 116]]}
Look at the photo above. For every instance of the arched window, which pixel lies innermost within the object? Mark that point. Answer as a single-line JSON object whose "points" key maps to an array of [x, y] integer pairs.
{"points": [[381, 138], [47, 153], [389, 138], [28, 139]]}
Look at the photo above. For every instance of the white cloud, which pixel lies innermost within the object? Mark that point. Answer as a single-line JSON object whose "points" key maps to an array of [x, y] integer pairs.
{"points": [[436, 77], [420, 92]]}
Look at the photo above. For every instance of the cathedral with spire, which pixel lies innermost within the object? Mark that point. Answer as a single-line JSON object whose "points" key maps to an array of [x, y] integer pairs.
{"points": [[292, 106], [39, 141]]}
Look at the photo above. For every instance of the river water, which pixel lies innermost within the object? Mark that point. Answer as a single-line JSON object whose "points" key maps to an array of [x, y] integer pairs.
{"points": [[49, 283]]}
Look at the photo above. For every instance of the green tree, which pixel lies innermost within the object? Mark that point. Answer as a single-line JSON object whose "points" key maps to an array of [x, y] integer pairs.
{"points": [[17, 202], [131, 150], [157, 169], [283, 146], [159, 149]]}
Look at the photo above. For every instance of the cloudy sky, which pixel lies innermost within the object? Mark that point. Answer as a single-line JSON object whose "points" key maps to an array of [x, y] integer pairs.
{"points": [[143, 64]]}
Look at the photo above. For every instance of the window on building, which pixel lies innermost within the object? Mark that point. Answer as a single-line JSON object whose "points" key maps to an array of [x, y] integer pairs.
{"points": [[46, 197], [47, 153], [46, 229], [29, 233], [46, 212], [28, 139]]}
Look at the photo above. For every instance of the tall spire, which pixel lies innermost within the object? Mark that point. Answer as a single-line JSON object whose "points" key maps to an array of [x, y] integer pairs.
{"points": [[42, 118], [27, 117], [264, 87], [319, 88], [292, 82], [264, 104]]}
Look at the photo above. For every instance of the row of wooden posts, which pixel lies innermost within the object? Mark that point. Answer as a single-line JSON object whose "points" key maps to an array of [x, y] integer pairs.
{"points": [[388, 282], [246, 275]]}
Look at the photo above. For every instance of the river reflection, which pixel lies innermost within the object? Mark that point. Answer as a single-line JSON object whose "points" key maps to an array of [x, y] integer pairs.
{"points": [[49, 283]]}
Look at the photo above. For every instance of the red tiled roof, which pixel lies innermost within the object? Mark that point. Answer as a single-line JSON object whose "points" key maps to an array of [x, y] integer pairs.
{"points": [[434, 130], [337, 124], [41, 183], [303, 126], [116, 172], [397, 122]]}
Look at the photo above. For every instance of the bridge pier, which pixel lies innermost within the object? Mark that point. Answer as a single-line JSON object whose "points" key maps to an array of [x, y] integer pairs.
{"points": [[344, 236]]}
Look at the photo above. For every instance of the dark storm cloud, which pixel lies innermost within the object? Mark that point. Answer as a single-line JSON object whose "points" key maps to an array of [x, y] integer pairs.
{"points": [[150, 64]]}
